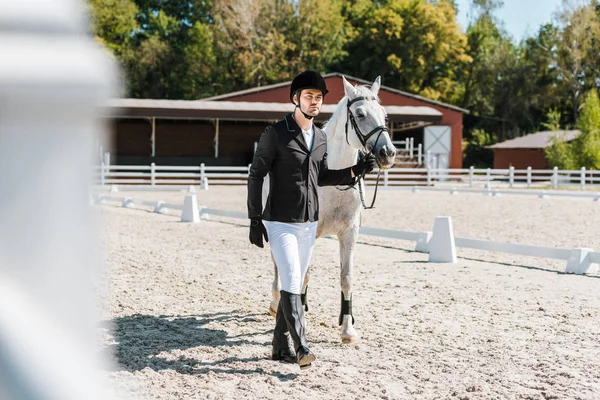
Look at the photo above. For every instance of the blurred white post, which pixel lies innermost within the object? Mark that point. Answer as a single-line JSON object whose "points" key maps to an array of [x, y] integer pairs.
{"points": [[153, 174], [102, 179], [203, 177], [528, 177], [554, 177], [385, 177], [488, 178], [420, 153], [582, 179], [511, 176], [471, 174], [55, 80], [412, 146]]}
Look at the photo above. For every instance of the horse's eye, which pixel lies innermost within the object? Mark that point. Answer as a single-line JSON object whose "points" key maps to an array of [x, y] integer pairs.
{"points": [[360, 114]]}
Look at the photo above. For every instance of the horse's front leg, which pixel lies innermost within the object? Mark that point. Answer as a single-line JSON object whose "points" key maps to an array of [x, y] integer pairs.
{"points": [[275, 288], [347, 243]]}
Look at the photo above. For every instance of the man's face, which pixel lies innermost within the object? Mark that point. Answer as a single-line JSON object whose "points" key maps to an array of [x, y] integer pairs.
{"points": [[311, 101]]}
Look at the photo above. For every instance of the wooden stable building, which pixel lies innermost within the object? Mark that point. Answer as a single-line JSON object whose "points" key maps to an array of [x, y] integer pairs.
{"points": [[527, 151], [223, 130]]}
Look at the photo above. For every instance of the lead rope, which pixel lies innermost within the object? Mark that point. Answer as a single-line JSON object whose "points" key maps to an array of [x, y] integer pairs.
{"points": [[360, 192]]}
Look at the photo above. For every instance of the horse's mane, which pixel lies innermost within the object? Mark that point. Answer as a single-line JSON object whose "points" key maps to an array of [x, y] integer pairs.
{"points": [[339, 115]]}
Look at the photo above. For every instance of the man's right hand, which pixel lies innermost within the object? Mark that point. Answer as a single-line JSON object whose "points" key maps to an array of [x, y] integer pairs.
{"points": [[257, 231], [364, 165]]}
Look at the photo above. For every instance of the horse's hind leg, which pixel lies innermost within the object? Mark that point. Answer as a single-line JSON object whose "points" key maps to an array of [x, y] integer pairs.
{"points": [[347, 243], [275, 288]]}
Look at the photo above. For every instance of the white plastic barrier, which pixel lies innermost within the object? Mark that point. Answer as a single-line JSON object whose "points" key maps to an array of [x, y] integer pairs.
{"points": [[440, 244]]}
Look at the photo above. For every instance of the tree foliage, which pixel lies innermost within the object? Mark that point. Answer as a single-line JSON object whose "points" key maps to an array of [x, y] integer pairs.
{"points": [[584, 151], [190, 49]]}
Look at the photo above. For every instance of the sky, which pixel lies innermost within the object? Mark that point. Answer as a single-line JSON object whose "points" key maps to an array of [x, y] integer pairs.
{"points": [[521, 18]]}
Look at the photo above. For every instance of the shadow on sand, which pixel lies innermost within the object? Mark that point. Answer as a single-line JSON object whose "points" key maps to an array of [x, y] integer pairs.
{"points": [[139, 338]]}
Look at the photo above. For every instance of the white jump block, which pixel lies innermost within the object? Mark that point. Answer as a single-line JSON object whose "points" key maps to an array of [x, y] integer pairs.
{"points": [[441, 246], [160, 207], [190, 209], [191, 189], [580, 263], [423, 242], [203, 215], [114, 188], [128, 202], [543, 195], [415, 190], [454, 191], [204, 184]]}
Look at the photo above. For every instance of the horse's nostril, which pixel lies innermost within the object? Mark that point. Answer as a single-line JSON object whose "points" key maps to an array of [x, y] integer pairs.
{"points": [[383, 151]]}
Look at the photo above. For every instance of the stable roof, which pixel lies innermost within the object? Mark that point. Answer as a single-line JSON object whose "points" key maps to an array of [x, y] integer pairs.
{"points": [[241, 110], [331, 75], [538, 140]]}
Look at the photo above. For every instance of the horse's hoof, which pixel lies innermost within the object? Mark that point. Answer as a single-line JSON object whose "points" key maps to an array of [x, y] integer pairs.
{"points": [[349, 334], [349, 340]]}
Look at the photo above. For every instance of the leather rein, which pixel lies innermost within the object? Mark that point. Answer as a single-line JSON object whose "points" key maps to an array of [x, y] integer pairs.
{"points": [[363, 138]]}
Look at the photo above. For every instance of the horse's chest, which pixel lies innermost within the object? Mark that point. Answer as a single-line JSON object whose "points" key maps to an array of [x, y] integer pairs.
{"points": [[338, 210]]}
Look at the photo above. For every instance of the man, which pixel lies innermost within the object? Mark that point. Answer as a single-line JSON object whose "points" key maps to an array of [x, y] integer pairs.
{"points": [[294, 154]]}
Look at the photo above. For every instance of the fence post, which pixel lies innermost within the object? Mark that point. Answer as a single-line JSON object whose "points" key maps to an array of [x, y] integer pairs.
{"points": [[152, 174], [511, 176], [528, 177], [428, 175], [385, 177], [102, 178], [555, 178], [55, 83], [471, 174], [420, 153], [582, 179], [488, 178], [412, 146]]}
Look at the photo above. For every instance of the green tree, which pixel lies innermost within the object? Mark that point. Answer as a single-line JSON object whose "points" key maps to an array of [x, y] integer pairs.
{"points": [[577, 51], [587, 144], [415, 45], [114, 23], [584, 151], [475, 151]]}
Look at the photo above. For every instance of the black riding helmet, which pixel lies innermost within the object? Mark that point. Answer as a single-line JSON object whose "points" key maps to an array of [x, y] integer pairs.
{"points": [[307, 80]]}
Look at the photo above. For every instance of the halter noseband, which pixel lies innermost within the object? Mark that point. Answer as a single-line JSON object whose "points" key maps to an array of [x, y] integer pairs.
{"points": [[363, 140], [350, 118]]}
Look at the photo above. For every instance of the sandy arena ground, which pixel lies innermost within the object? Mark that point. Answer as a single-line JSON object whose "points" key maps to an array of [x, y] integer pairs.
{"points": [[186, 313]]}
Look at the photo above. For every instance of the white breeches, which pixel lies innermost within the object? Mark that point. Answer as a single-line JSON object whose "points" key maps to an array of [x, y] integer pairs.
{"points": [[292, 246]]}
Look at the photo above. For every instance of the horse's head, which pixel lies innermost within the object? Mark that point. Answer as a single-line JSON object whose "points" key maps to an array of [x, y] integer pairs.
{"points": [[366, 128]]}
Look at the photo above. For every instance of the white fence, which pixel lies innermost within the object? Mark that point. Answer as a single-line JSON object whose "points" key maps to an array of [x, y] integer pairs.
{"points": [[440, 243], [154, 175]]}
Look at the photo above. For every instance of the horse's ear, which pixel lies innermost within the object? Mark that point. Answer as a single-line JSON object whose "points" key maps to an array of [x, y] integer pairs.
{"points": [[348, 88], [376, 85]]}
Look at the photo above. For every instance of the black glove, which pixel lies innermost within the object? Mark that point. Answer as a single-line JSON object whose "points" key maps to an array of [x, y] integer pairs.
{"points": [[364, 165], [257, 231]]}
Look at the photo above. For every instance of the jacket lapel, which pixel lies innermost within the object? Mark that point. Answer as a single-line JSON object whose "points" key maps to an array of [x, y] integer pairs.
{"points": [[320, 138], [292, 126]]}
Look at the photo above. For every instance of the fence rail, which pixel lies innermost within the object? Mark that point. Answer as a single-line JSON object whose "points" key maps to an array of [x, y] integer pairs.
{"points": [[464, 177]]}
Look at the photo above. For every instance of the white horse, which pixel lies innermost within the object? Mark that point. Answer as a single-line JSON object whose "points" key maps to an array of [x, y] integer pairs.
{"points": [[358, 124]]}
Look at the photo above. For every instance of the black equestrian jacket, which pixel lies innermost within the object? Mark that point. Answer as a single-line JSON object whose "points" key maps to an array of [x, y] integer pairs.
{"points": [[294, 173]]}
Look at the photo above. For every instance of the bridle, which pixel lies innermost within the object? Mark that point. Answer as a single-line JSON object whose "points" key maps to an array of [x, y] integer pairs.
{"points": [[363, 140]]}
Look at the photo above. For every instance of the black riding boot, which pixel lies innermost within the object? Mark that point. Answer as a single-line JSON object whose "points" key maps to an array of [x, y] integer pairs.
{"points": [[291, 305], [282, 351]]}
